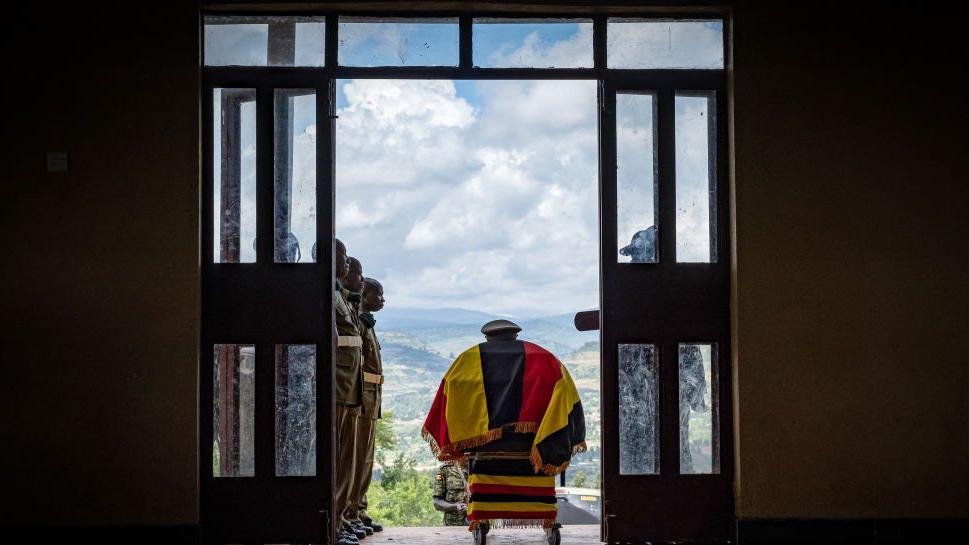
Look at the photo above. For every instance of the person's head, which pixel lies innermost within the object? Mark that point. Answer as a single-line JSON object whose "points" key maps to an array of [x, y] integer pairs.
{"points": [[373, 295], [353, 280], [339, 259]]}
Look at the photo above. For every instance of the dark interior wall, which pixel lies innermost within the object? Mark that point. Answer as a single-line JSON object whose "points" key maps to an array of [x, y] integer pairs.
{"points": [[100, 276], [851, 288], [849, 301]]}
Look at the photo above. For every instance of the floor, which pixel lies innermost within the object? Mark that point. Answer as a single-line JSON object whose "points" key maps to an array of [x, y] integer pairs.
{"points": [[455, 535]]}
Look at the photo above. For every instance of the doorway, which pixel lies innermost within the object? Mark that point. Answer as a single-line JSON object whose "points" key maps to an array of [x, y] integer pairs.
{"points": [[266, 349], [470, 200]]}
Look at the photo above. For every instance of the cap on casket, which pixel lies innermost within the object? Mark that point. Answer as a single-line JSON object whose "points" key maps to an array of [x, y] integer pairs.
{"points": [[498, 330]]}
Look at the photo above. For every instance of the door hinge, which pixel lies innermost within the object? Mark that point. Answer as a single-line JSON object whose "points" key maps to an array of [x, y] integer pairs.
{"points": [[606, 517], [325, 527]]}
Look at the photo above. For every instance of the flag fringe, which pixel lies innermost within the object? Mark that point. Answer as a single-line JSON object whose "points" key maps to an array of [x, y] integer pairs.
{"points": [[454, 450], [515, 524], [549, 469]]}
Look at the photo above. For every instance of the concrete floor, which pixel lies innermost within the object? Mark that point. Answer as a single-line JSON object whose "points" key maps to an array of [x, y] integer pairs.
{"points": [[454, 535]]}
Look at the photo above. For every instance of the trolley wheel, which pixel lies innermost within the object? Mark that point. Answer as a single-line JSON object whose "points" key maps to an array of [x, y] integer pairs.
{"points": [[480, 534], [553, 535]]}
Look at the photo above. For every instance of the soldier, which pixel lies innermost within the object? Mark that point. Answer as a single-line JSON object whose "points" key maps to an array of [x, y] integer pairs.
{"points": [[451, 493], [372, 301], [347, 390]]}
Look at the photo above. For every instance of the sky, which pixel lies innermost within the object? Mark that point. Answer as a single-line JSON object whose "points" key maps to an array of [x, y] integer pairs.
{"points": [[483, 194]]}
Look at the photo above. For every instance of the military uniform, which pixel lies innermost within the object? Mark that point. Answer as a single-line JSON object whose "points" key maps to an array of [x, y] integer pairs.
{"points": [[348, 392], [366, 420], [451, 485]]}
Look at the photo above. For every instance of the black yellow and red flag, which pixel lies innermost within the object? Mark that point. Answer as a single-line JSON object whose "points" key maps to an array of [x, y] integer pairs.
{"points": [[500, 386]]}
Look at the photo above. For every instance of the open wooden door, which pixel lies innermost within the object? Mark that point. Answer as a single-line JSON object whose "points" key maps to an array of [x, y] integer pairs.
{"points": [[668, 465], [266, 443]]}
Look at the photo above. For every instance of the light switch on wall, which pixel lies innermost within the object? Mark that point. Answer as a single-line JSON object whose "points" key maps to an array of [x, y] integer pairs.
{"points": [[56, 161]]}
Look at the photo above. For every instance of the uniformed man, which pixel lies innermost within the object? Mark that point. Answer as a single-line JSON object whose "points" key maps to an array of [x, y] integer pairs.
{"points": [[347, 390], [352, 290], [451, 493], [372, 301]]}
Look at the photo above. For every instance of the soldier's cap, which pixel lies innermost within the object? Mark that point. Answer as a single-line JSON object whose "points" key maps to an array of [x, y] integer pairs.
{"points": [[500, 330]]}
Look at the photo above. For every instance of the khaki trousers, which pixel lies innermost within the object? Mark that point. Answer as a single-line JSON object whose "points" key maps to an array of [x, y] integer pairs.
{"points": [[366, 428], [346, 468]]}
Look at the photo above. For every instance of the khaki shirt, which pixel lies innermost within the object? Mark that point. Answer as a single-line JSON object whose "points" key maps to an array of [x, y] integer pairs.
{"points": [[348, 388], [450, 485], [372, 365]]}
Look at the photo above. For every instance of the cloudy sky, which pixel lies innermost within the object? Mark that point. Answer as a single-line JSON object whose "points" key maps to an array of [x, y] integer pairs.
{"points": [[483, 194]]}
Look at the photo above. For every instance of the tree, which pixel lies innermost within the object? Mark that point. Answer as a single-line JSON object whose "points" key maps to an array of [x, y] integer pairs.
{"points": [[404, 496]]}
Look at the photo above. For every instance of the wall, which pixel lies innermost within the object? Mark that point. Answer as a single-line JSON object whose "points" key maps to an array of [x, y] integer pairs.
{"points": [[100, 285], [851, 290], [849, 293]]}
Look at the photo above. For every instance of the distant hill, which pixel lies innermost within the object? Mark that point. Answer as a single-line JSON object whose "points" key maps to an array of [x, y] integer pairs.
{"points": [[407, 356], [451, 330], [403, 319]]}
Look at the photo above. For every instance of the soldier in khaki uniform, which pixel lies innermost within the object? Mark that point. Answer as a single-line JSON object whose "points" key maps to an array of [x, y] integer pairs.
{"points": [[372, 301], [451, 493], [347, 389]]}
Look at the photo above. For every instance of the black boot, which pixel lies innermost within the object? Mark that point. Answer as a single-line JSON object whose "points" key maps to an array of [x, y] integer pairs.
{"points": [[354, 531], [360, 525], [377, 527], [346, 538]]}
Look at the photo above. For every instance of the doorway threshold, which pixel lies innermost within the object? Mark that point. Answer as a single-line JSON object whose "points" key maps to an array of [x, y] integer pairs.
{"points": [[587, 534]]}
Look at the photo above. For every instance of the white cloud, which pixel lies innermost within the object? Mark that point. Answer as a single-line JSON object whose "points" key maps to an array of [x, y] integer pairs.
{"points": [[491, 208]]}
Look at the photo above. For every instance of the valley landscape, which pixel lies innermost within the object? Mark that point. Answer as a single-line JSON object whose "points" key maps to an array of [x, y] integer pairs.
{"points": [[418, 346]]}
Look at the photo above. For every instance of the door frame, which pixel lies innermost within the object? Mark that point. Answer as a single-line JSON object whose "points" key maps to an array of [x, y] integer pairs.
{"points": [[221, 501]]}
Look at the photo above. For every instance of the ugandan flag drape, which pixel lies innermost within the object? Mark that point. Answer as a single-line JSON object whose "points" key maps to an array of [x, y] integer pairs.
{"points": [[507, 385], [509, 491]]}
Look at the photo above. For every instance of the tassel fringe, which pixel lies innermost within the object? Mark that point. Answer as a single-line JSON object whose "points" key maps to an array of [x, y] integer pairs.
{"points": [[549, 469], [454, 450], [515, 524]]}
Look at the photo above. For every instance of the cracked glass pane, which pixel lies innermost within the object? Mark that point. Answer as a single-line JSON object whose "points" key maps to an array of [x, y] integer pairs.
{"points": [[233, 447], [699, 409], [638, 410], [532, 43], [398, 42], [263, 41], [295, 410], [234, 176], [696, 183], [644, 44], [294, 166], [636, 187]]}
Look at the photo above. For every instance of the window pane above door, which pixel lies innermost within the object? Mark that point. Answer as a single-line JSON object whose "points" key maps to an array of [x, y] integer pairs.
{"points": [[532, 43], [264, 41], [657, 44], [398, 42], [636, 188]]}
